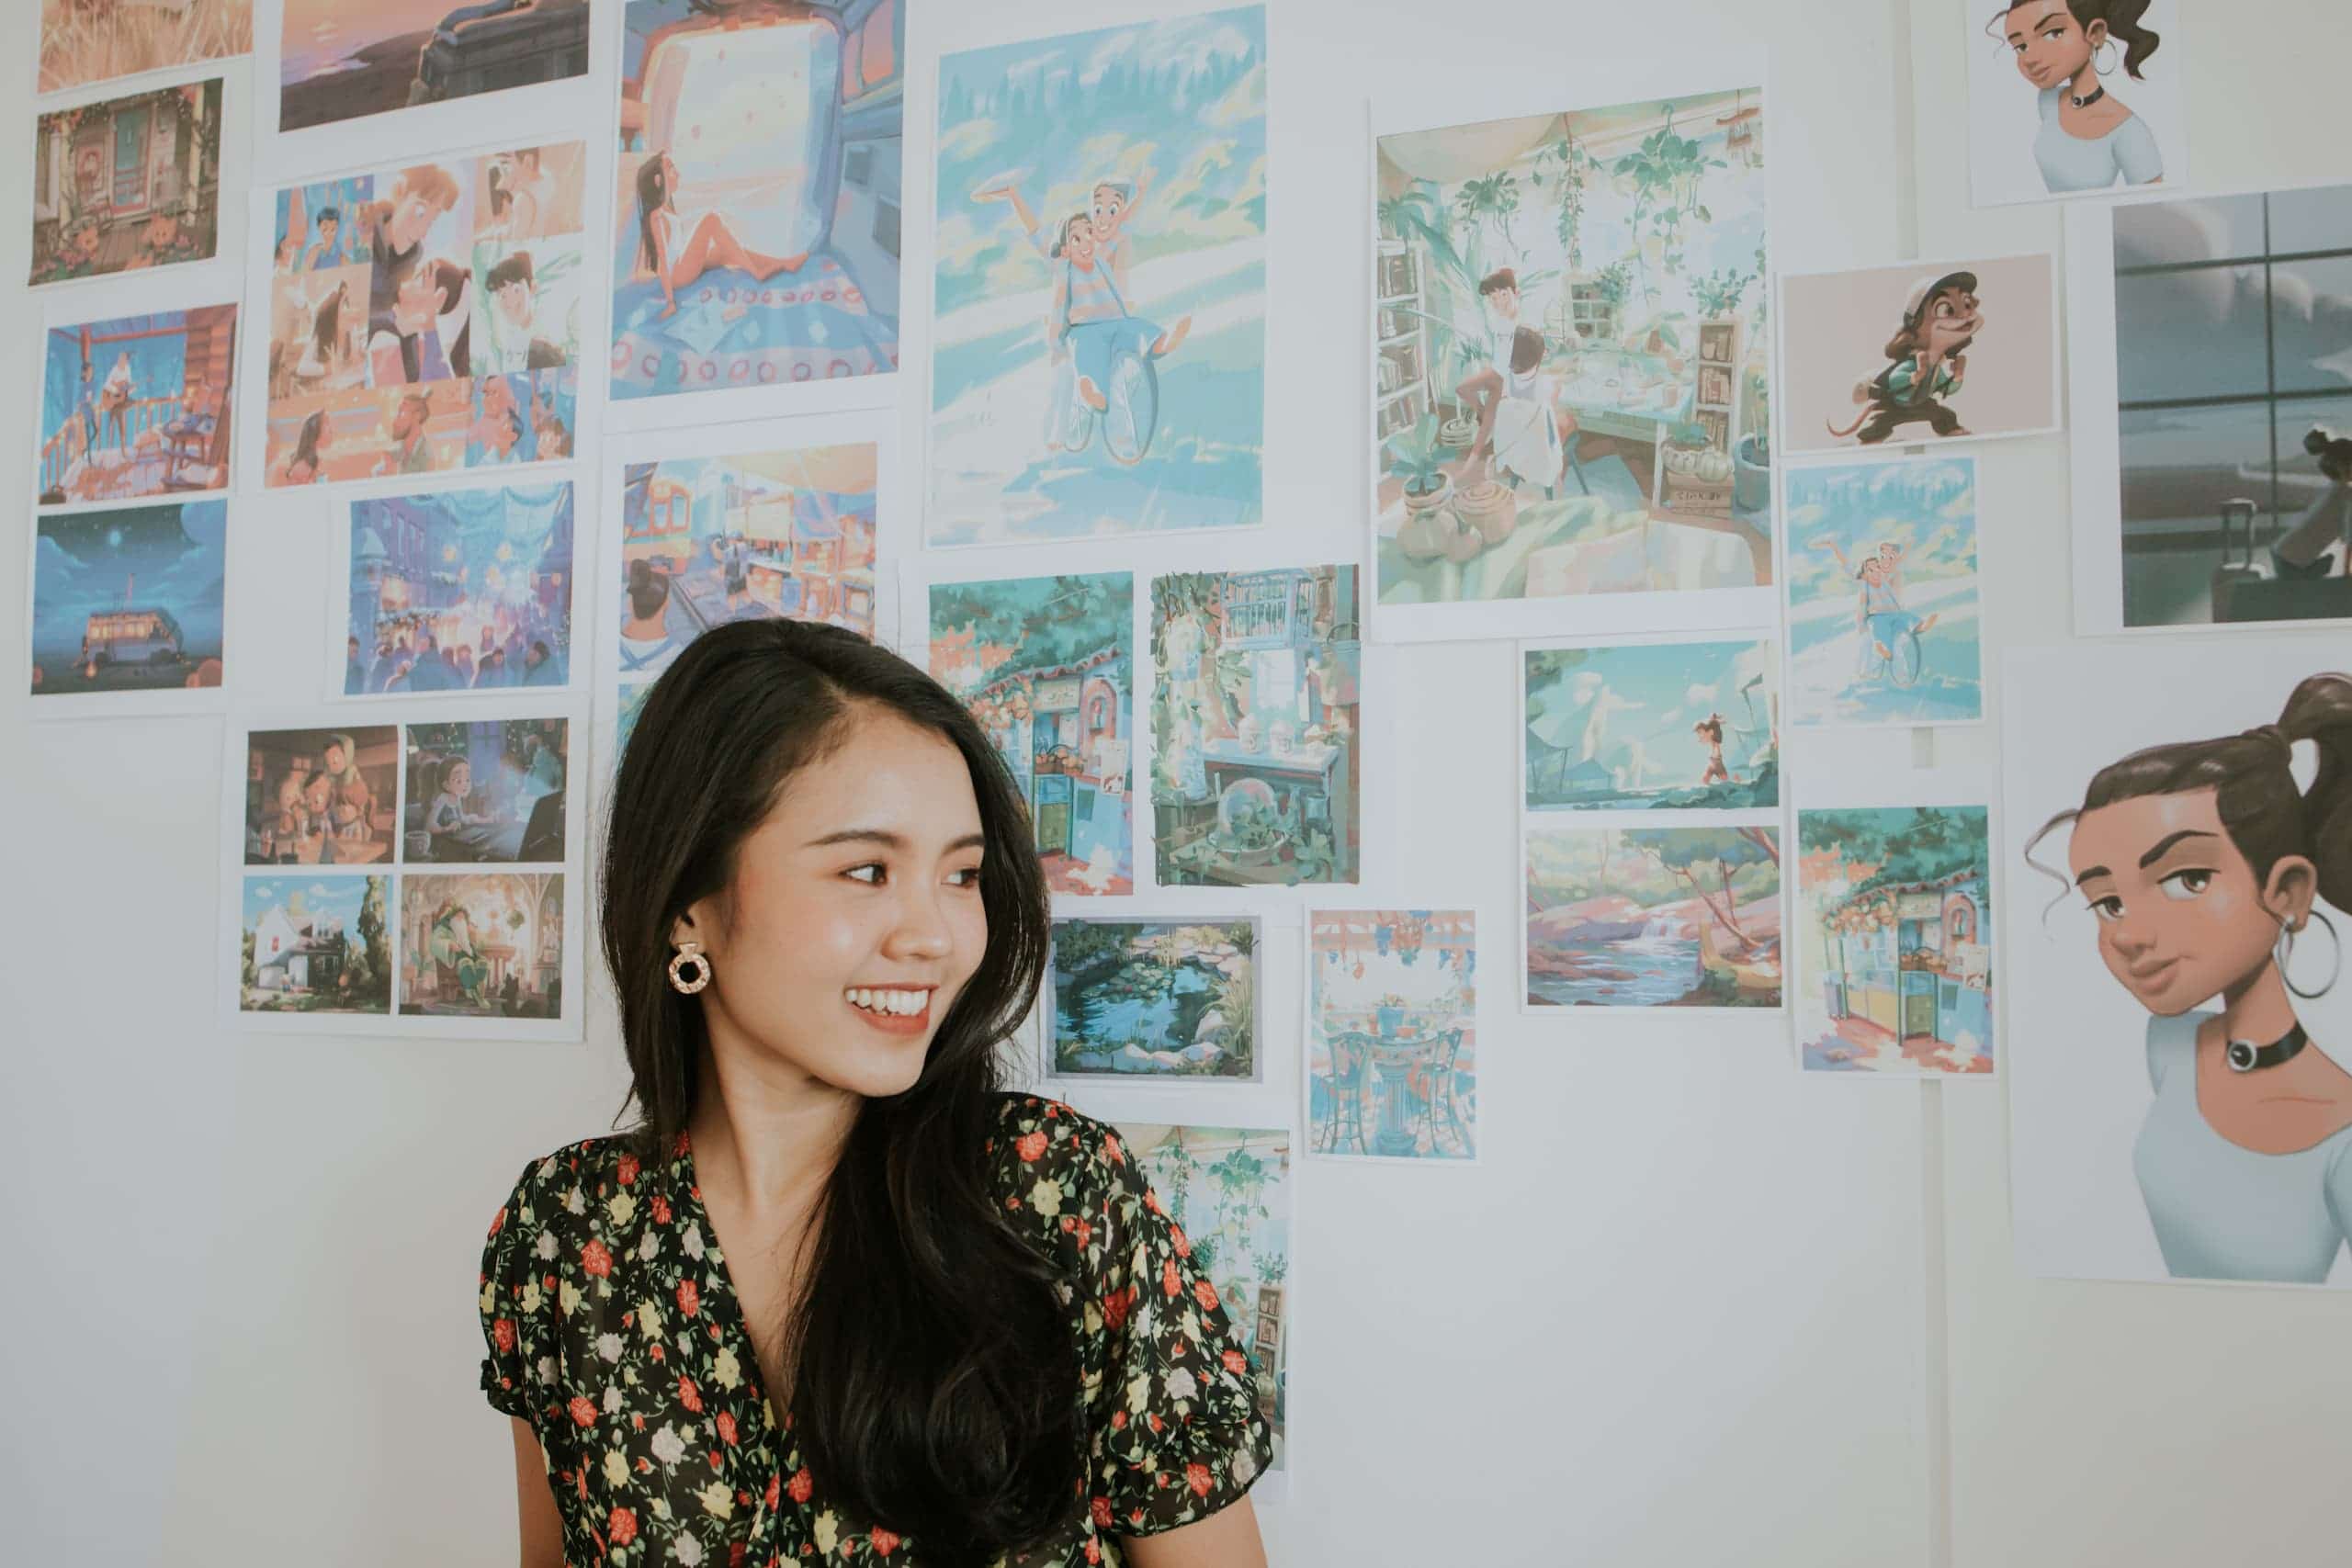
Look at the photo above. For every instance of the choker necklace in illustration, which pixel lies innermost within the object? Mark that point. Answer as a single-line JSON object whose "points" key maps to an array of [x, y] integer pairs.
{"points": [[2087, 99], [2245, 1056]]}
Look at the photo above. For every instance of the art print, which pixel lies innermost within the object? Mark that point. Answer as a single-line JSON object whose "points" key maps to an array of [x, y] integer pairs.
{"points": [[1392, 1064], [1228, 1189], [137, 406], [1139, 1001], [426, 318], [129, 599], [1098, 363], [1047, 664], [1894, 940], [460, 591], [1571, 374], [2073, 99], [339, 61], [481, 945], [1257, 721], [1923, 352], [1656, 726], [485, 792], [2211, 338], [756, 228], [98, 41], [752, 535], [1652, 917], [321, 796], [315, 943], [2180, 1046], [126, 184], [1884, 617]]}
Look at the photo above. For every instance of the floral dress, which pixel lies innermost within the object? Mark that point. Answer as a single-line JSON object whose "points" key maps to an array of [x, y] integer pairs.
{"points": [[612, 1328]]}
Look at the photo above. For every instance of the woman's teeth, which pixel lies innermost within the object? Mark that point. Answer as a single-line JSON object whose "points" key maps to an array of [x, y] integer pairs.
{"points": [[901, 1004]]}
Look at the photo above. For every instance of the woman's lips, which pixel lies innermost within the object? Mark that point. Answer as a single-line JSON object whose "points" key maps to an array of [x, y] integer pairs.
{"points": [[2152, 976]]}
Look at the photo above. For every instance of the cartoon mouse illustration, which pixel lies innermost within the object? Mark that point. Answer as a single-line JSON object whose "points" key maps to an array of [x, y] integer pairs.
{"points": [[1928, 358]]}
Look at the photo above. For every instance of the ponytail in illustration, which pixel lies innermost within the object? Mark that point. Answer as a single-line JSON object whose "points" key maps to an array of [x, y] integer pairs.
{"points": [[2205, 862], [2088, 139]]}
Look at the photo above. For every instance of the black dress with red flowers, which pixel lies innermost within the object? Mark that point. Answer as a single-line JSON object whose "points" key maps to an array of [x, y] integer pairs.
{"points": [[613, 1330]]}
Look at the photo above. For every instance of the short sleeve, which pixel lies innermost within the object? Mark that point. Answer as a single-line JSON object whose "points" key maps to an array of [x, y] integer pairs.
{"points": [[2136, 153], [1178, 1422], [510, 1302]]}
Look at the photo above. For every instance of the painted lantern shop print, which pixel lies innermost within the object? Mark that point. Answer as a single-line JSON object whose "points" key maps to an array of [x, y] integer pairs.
{"points": [[1666, 726], [755, 230], [1228, 1190], [339, 61], [1653, 917], [1571, 368], [426, 318], [1895, 923], [1155, 998], [1100, 300], [1392, 1067], [128, 600], [751, 536], [481, 945], [1256, 726], [459, 589], [137, 406], [127, 183], [316, 945], [1047, 664]]}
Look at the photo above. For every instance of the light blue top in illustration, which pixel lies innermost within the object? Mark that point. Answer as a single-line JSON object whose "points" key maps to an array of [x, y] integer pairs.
{"points": [[2072, 163], [2222, 1212]]}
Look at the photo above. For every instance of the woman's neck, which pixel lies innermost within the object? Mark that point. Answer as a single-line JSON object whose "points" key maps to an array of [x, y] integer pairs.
{"points": [[766, 1133], [2082, 83], [2258, 1009]]}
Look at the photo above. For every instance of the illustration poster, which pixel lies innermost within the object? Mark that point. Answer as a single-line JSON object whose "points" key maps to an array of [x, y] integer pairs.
{"points": [[137, 406], [1895, 952], [460, 591], [2070, 100], [1571, 370], [1257, 725], [2211, 374], [315, 944], [126, 184], [481, 945], [1654, 726], [1883, 618], [756, 227], [1392, 1065], [486, 792], [98, 41], [338, 61], [1923, 351], [1099, 305], [321, 796], [1143, 999], [2173, 858], [128, 600], [426, 318], [1047, 664], [1652, 917], [750, 536], [1228, 1189]]}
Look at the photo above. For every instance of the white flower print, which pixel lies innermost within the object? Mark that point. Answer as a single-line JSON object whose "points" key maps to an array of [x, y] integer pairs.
{"points": [[622, 1207], [726, 1368], [612, 1399], [649, 1317], [568, 1295], [1181, 1384], [687, 1551], [529, 1297], [1244, 1465], [575, 1202], [692, 1242], [716, 1500], [650, 1246], [828, 1533], [1047, 1197], [608, 1345], [668, 1447], [545, 1369], [547, 1247], [616, 1468]]}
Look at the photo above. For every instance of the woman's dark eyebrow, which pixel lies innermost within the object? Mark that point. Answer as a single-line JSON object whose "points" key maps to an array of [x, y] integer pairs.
{"points": [[2163, 844], [2095, 871], [889, 841]]}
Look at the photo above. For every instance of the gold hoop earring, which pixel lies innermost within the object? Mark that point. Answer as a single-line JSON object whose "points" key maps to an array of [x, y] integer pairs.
{"points": [[689, 952], [2103, 43]]}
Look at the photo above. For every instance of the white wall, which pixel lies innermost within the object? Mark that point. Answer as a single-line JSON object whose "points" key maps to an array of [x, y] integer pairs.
{"points": [[1691, 1309]]}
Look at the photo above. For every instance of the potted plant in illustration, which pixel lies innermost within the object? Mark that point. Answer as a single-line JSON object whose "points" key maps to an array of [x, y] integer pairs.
{"points": [[1388, 1015], [1751, 481], [1431, 528]]}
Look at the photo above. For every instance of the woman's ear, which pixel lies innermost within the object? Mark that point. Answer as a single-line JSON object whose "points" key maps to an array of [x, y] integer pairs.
{"points": [[685, 929], [2289, 890], [2095, 33]]}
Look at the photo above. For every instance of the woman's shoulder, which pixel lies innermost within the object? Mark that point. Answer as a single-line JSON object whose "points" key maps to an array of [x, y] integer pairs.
{"points": [[1053, 1162], [558, 1189]]}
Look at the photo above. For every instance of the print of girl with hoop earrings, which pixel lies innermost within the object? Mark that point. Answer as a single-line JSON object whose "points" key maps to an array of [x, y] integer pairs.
{"points": [[678, 259], [2202, 861], [2088, 140]]}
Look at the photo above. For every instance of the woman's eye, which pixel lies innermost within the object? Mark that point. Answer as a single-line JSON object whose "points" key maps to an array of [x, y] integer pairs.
{"points": [[2107, 909], [2188, 884], [968, 877], [858, 873]]}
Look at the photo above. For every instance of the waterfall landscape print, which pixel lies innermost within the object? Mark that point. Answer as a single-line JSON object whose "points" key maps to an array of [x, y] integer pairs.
{"points": [[1099, 343], [1155, 998], [1653, 917]]}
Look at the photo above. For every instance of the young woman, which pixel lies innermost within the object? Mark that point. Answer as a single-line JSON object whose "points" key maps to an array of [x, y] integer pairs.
{"points": [[834, 1295], [678, 261], [2202, 860], [2088, 139]]}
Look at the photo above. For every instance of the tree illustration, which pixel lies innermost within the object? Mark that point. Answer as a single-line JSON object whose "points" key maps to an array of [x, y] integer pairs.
{"points": [[1708, 861]]}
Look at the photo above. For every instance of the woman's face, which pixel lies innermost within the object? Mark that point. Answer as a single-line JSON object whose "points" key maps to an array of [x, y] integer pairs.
{"points": [[2181, 917], [1078, 242], [854, 919], [461, 779], [2051, 46], [334, 759]]}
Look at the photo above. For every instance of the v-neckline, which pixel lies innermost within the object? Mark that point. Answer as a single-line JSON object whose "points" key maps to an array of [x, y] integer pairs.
{"points": [[773, 1444]]}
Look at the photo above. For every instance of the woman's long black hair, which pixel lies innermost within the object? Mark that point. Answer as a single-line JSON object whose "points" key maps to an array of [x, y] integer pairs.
{"points": [[936, 1385]]}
